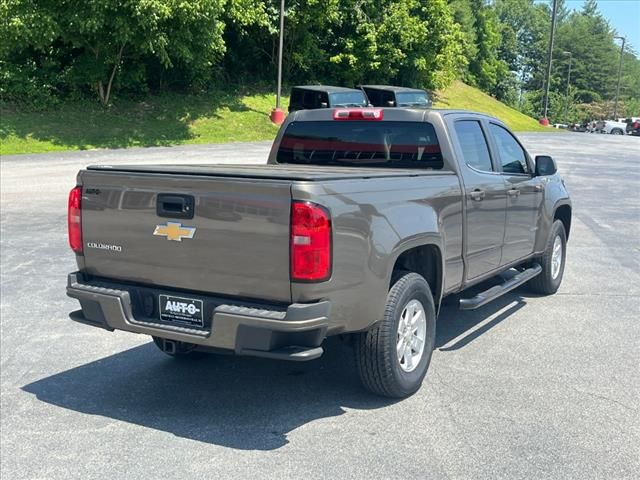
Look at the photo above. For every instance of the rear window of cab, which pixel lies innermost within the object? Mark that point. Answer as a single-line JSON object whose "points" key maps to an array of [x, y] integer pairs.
{"points": [[385, 144]]}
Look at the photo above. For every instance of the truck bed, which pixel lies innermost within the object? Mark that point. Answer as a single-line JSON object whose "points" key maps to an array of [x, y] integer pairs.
{"points": [[307, 173]]}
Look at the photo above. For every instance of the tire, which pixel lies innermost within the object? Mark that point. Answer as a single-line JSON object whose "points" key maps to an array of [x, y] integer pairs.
{"points": [[617, 131], [380, 369], [546, 283], [182, 349]]}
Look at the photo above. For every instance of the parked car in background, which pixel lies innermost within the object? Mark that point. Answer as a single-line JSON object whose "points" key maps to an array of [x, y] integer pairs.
{"points": [[310, 97], [390, 96], [612, 127], [633, 126]]}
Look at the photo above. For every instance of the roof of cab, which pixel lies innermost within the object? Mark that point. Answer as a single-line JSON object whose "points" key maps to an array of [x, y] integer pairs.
{"points": [[392, 113], [325, 88], [393, 88], [447, 111]]}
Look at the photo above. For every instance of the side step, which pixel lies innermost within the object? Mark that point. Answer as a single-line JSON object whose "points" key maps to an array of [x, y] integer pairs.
{"points": [[499, 290]]}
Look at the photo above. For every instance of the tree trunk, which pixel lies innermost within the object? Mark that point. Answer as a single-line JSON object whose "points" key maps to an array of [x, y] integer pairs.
{"points": [[100, 88], [105, 95]]}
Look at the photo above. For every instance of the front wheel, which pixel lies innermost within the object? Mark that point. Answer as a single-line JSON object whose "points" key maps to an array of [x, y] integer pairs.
{"points": [[552, 262], [393, 357]]}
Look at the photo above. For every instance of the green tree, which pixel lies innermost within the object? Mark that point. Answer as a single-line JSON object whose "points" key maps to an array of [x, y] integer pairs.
{"points": [[98, 38], [589, 39], [487, 69], [585, 39], [408, 42], [349, 42], [464, 17], [524, 31], [630, 84]]}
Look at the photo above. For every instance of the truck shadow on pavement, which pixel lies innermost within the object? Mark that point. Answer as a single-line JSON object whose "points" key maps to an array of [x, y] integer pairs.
{"points": [[237, 402], [457, 328]]}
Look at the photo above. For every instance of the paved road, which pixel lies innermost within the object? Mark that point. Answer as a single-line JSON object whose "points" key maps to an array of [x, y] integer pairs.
{"points": [[527, 387]]}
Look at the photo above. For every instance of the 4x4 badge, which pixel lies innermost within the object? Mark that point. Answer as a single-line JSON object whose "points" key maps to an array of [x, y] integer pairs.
{"points": [[174, 231]]}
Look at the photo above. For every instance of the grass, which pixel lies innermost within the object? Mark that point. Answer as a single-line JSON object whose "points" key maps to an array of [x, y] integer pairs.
{"points": [[462, 96], [160, 120], [182, 119]]}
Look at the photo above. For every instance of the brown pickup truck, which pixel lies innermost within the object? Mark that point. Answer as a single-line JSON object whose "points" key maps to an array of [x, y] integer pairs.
{"points": [[359, 225]]}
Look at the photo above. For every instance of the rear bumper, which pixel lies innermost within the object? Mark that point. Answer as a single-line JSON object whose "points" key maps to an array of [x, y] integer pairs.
{"points": [[293, 332]]}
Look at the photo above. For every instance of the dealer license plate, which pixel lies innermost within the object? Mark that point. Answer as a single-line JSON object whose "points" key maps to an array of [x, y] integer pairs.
{"points": [[183, 310]]}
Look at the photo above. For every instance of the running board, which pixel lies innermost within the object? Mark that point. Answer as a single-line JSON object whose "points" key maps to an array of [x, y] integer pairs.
{"points": [[499, 290]]}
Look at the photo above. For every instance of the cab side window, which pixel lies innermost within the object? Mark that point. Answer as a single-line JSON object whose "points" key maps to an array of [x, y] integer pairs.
{"points": [[310, 98], [387, 99], [475, 151], [296, 99], [374, 97], [512, 156]]}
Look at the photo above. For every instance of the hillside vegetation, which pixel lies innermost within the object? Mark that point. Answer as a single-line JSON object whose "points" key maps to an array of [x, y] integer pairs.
{"points": [[181, 119], [108, 51], [460, 95]]}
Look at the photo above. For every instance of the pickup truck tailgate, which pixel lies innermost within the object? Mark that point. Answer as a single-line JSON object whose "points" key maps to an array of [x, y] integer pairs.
{"points": [[240, 245]]}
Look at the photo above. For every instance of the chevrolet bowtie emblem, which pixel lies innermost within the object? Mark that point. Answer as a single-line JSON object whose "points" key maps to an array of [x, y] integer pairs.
{"points": [[174, 231]]}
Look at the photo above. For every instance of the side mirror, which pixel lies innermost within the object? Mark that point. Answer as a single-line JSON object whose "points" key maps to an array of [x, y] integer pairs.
{"points": [[545, 165], [391, 103], [324, 105]]}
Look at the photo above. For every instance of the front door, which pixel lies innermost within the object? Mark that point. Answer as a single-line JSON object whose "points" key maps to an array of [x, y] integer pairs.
{"points": [[524, 195], [485, 199]]}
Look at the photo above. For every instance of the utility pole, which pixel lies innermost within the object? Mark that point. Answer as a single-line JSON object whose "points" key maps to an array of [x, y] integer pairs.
{"points": [[277, 115], [566, 105], [615, 105], [544, 120]]}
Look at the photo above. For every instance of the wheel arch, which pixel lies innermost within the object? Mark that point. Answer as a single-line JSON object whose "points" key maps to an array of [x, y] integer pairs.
{"points": [[424, 258], [563, 212]]}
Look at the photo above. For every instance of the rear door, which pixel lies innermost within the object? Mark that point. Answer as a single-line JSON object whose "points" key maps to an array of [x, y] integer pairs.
{"points": [[234, 242], [485, 198], [524, 194]]}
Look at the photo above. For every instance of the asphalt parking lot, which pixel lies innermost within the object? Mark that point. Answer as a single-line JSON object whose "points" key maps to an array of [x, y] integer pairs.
{"points": [[526, 387]]}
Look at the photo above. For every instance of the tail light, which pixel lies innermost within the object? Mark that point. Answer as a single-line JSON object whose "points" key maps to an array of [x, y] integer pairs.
{"points": [[358, 114], [74, 217], [310, 242]]}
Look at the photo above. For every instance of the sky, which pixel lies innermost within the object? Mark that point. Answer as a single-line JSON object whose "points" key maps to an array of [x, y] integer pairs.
{"points": [[623, 15]]}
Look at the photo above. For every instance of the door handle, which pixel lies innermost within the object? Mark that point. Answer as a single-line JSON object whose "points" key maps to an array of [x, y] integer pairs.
{"points": [[539, 187], [477, 194], [514, 192]]}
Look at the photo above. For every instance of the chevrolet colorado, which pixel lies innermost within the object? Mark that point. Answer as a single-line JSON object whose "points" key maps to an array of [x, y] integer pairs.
{"points": [[359, 224]]}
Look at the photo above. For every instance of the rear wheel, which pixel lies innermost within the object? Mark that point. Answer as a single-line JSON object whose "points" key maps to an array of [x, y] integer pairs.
{"points": [[617, 131], [173, 348], [393, 357], [552, 262]]}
